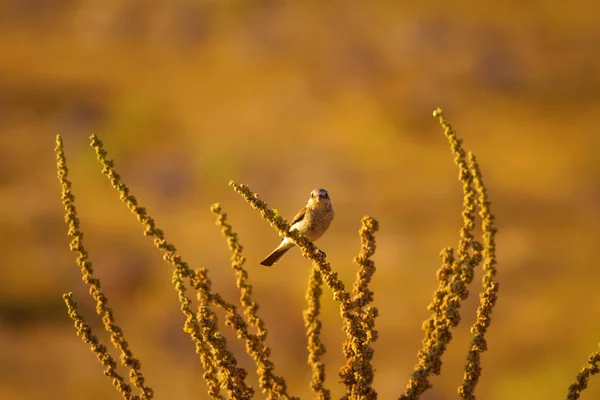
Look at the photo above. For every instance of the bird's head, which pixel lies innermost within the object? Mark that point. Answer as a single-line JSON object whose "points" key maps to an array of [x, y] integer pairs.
{"points": [[319, 197]]}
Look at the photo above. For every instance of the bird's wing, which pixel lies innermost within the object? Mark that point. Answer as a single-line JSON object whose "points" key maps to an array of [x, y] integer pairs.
{"points": [[300, 216]]}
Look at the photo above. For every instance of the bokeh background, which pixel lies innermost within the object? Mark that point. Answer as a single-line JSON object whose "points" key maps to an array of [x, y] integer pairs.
{"points": [[286, 98]]}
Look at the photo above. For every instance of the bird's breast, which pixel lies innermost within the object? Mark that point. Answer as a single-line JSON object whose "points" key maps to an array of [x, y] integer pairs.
{"points": [[318, 222]]}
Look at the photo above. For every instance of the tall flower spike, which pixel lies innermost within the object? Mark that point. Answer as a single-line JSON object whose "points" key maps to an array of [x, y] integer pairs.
{"points": [[222, 357], [453, 277], [358, 373], [313, 325], [464, 261], [84, 331], [584, 375], [272, 385], [490, 286], [234, 376], [200, 336], [437, 332], [116, 333]]}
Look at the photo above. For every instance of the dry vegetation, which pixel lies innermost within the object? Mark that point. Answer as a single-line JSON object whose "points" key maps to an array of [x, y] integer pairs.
{"points": [[225, 378], [188, 94]]}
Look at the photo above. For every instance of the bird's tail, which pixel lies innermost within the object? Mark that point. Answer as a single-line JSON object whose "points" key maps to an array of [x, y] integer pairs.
{"points": [[274, 257]]}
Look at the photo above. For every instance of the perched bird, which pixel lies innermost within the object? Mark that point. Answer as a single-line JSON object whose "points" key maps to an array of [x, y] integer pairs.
{"points": [[312, 220]]}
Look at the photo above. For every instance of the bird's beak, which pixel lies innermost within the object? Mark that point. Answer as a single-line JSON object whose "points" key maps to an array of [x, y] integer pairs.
{"points": [[323, 196]]}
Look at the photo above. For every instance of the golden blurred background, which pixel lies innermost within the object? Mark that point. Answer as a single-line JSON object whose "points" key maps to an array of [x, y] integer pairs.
{"points": [[288, 97]]}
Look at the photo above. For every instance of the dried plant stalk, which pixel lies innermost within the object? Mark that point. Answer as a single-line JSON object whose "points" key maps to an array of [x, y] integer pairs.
{"points": [[313, 325], [84, 331], [272, 385], [455, 274], [584, 375], [116, 333], [232, 377], [222, 357], [358, 372], [201, 328], [437, 331], [490, 286], [362, 295]]}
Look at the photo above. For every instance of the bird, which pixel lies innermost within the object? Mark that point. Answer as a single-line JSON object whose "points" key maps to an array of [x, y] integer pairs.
{"points": [[312, 220]]}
